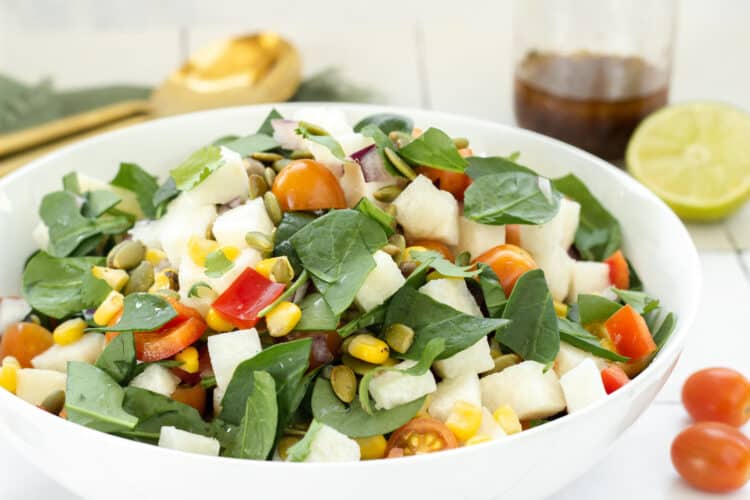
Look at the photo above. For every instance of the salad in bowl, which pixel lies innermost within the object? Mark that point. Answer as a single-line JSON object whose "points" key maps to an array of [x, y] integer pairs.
{"points": [[317, 292]]}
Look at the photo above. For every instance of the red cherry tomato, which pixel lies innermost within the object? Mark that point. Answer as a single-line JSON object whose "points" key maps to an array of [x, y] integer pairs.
{"points": [[508, 262], [307, 185], [718, 395], [420, 435]]}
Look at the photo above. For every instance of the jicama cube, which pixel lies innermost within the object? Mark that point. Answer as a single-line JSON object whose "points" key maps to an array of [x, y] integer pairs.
{"points": [[183, 219], [525, 387], [230, 228], [228, 350], [489, 426], [86, 349], [382, 282], [570, 213], [558, 270], [450, 391], [156, 378], [582, 386], [176, 439], [425, 211], [452, 292], [392, 388], [226, 183], [330, 445], [569, 357], [474, 359], [588, 277], [477, 238], [34, 385], [353, 183], [541, 240]]}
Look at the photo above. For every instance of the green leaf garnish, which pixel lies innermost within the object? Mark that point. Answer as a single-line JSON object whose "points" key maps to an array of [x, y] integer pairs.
{"points": [[197, 167], [142, 312], [434, 149], [217, 264]]}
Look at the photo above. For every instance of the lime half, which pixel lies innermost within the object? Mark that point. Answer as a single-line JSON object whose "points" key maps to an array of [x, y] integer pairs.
{"points": [[694, 156]]}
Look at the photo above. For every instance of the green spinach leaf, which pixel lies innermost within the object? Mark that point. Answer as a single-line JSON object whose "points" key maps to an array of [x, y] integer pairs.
{"points": [[257, 431], [155, 411], [494, 296], [70, 183], [142, 312], [373, 317], [595, 308], [635, 280], [532, 332], [98, 202], [166, 193], [133, 178], [577, 336], [386, 221], [434, 149], [301, 450], [387, 123], [324, 140], [381, 142], [197, 167], [443, 266], [291, 222], [118, 358], [224, 140], [662, 334], [316, 315], [250, 144], [641, 302], [481, 165], [217, 264], [266, 127]]}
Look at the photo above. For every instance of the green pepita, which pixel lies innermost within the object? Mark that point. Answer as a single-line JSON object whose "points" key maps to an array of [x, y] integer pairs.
{"points": [[126, 255], [504, 361], [313, 129], [266, 157], [391, 250], [463, 259], [407, 267], [258, 186], [391, 210], [269, 175], [461, 142], [259, 241], [282, 271], [253, 166], [55, 402], [300, 154], [272, 207], [387, 194], [400, 337], [344, 383], [400, 164], [141, 278], [279, 165], [357, 365]]}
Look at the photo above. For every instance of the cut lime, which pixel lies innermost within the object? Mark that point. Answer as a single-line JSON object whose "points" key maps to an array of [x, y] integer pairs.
{"points": [[695, 157]]}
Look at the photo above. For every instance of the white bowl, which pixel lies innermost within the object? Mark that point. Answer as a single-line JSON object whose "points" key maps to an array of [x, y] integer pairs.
{"points": [[532, 464]]}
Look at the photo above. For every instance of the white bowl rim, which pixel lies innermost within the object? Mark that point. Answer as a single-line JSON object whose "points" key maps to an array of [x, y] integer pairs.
{"points": [[674, 343]]}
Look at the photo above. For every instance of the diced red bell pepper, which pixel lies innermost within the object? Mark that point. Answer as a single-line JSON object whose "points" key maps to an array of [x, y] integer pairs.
{"points": [[155, 346], [246, 297], [629, 333], [619, 273], [613, 378]]}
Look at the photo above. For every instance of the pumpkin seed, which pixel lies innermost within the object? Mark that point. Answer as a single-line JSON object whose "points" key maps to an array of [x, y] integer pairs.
{"points": [[391, 250], [282, 271], [398, 240], [504, 361], [126, 255], [400, 337], [391, 210], [272, 207], [266, 157], [300, 154], [357, 365], [279, 165], [253, 166], [400, 164], [269, 175], [461, 142], [141, 278], [400, 138], [407, 267], [55, 402], [463, 259], [259, 241], [344, 383], [258, 186], [313, 129], [387, 194]]}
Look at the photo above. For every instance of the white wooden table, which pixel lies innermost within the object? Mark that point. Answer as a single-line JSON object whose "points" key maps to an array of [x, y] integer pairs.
{"points": [[449, 56]]}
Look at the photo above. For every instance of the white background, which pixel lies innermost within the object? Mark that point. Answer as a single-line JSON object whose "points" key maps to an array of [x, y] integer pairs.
{"points": [[443, 55]]}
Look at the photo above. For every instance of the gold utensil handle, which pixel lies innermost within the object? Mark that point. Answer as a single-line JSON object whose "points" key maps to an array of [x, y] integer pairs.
{"points": [[34, 136]]}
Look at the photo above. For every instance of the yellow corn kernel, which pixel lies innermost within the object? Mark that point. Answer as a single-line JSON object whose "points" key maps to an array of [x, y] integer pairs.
{"points": [[479, 438], [155, 256], [561, 309], [283, 318], [464, 420], [9, 374], [368, 348], [507, 419], [199, 248], [406, 254], [115, 278], [607, 343], [217, 322], [371, 448], [230, 252], [189, 359], [69, 331], [112, 305], [166, 279]]}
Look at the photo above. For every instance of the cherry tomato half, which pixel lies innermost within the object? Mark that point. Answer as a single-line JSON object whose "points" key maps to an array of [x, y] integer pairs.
{"points": [[619, 272], [717, 395], [194, 396], [25, 341], [712, 456], [453, 182], [436, 246], [509, 262], [513, 234], [420, 435], [307, 185]]}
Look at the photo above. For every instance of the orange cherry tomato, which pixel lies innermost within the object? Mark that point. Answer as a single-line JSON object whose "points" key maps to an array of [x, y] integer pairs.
{"points": [[307, 185], [717, 395], [614, 378], [420, 435], [619, 273], [509, 262], [712, 456], [436, 246], [194, 396], [629, 332], [513, 234], [25, 341], [453, 182]]}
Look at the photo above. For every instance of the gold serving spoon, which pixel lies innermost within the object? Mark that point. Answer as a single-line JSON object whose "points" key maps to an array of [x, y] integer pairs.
{"points": [[248, 69]]}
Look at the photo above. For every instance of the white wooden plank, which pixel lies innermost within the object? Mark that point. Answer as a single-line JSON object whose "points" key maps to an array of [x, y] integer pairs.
{"points": [[738, 226], [710, 237]]}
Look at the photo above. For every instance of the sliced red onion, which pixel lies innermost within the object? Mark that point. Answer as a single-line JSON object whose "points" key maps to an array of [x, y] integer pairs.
{"points": [[285, 133], [372, 165]]}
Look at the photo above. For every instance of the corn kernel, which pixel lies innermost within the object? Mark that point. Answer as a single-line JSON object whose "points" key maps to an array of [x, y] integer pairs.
{"points": [[277, 269], [112, 305], [115, 278], [230, 252], [479, 438], [9, 378], [368, 348], [217, 322], [199, 248], [607, 343], [283, 318], [166, 279], [464, 420], [561, 309], [406, 254], [155, 256], [507, 419], [69, 331], [189, 359], [371, 448]]}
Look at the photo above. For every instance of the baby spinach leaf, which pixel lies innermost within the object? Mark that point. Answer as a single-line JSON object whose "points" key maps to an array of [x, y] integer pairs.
{"points": [[300, 451], [118, 358], [353, 420], [136, 180], [386, 221], [434, 149], [291, 222], [488, 165], [577, 336], [372, 317], [387, 123], [217, 264], [316, 315], [510, 198], [70, 183], [337, 250], [142, 312], [197, 167], [59, 287], [286, 363], [98, 202], [598, 235], [662, 334], [225, 139], [324, 140], [494, 296], [595, 308], [266, 127], [253, 143], [166, 193], [95, 400], [431, 319], [155, 411], [635, 280], [443, 266], [641, 302], [257, 430], [532, 332]]}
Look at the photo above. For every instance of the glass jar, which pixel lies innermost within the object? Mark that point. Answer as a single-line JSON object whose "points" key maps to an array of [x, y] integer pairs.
{"points": [[588, 71]]}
